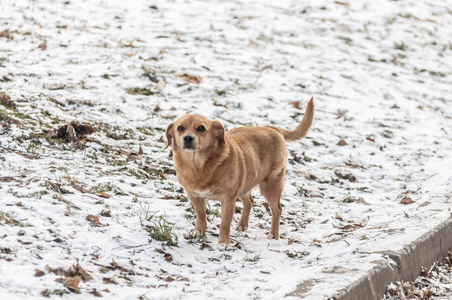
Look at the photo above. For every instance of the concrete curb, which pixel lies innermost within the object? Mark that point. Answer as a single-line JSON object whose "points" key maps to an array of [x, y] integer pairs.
{"points": [[427, 249]]}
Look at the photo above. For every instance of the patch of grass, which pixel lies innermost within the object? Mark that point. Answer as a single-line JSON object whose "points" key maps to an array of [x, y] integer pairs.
{"points": [[141, 91], [147, 72], [159, 173], [5, 116], [7, 219], [47, 293], [159, 229], [255, 258], [400, 46]]}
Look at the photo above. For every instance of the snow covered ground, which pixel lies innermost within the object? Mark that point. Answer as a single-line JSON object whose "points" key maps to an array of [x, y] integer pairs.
{"points": [[373, 174]]}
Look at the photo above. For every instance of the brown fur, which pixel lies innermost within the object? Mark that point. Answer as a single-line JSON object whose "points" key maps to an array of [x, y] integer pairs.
{"points": [[227, 166]]}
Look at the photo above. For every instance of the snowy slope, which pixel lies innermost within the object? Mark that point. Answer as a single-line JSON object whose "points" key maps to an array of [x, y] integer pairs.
{"points": [[381, 76]]}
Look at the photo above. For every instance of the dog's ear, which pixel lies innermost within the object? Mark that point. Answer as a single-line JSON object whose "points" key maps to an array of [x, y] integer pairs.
{"points": [[218, 130], [169, 135]]}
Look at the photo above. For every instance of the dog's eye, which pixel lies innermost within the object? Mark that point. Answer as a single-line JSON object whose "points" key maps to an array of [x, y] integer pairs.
{"points": [[201, 128], [180, 128]]}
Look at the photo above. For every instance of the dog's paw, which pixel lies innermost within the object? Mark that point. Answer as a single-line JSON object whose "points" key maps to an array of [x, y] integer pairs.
{"points": [[273, 236], [223, 246], [196, 234], [241, 228]]}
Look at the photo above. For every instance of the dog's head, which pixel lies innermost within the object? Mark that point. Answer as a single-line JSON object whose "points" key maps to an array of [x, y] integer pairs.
{"points": [[194, 132]]}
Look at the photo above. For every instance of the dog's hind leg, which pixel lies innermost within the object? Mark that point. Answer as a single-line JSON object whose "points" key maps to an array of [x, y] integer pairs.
{"points": [[248, 203], [271, 188]]}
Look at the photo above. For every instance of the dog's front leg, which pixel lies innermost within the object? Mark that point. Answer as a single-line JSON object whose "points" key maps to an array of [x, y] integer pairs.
{"points": [[227, 213], [199, 204]]}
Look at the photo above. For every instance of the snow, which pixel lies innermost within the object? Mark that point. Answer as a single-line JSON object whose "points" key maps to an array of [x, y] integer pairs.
{"points": [[380, 73]]}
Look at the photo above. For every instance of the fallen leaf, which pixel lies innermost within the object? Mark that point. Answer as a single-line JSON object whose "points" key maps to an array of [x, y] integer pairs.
{"points": [[424, 204], [161, 251], [96, 293], [168, 257], [161, 84], [342, 3], [103, 195], [190, 78], [351, 199], [6, 101], [72, 283], [338, 217], [73, 131], [39, 273], [110, 280], [106, 213], [43, 46], [295, 104], [345, 175], [6, 34], [342, 143], [406, 200], [80, 271], [68, 211], [93, 220]]}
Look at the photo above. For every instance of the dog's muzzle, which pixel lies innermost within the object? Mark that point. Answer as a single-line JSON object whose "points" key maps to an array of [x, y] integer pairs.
{"points": [[189, 142]]}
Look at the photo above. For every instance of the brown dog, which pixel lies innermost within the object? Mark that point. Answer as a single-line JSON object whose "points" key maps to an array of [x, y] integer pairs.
{"points": [[212, 164]]}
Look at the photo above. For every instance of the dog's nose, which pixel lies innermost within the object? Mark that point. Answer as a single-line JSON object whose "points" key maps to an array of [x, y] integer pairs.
{"points": [[188, 139]]}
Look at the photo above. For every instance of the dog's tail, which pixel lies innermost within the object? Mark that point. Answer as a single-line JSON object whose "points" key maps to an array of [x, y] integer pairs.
{"points": [[302, 128]]}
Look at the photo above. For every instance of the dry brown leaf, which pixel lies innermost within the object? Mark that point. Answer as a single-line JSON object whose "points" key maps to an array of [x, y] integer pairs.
{"points": [[39, 273], [168, 257], [6, 101], [406, 200], [342, 143], [68, 211], [161, 84], [73, 131], [43, 46], [84, 274], [190, 78], [96, 293], [72, 282], [342, 3], [351, 199], [345, 175], [92, 219], [424, 204], [103, 195], [295, 104], [6, 34], [110, 280], [338, 217], [106, 213], [140, 151]]}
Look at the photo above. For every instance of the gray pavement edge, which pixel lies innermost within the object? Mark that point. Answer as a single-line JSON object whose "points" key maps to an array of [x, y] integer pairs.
{"points": [[402, 265], [430, 247]]}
